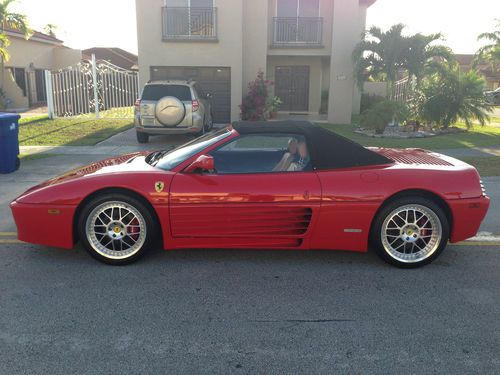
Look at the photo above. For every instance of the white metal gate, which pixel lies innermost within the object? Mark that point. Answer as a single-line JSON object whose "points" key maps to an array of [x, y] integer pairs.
{"points": [[92, 88]]}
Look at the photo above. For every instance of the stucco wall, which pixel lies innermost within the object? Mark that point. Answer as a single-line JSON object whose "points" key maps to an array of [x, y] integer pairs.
{"points": [[64, 57], [375, 88], [315, 68], [13, 92], [227, 52], [345, 35], [255, 38]]}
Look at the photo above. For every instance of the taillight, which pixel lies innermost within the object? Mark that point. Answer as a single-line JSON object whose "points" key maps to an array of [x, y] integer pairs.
{"points": [[483, 190], [195, 105], [137, 104]]}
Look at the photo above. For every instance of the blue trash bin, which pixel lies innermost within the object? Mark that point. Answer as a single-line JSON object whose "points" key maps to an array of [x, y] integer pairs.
{"points": [[9, 142]]}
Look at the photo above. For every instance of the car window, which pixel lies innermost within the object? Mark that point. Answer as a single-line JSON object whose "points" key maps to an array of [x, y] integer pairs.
{"points": [[178, 155], [156, 92], [263, 153]]}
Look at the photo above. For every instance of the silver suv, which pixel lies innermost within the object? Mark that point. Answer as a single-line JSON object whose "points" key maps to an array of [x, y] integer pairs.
{"points": [[172, 107]]}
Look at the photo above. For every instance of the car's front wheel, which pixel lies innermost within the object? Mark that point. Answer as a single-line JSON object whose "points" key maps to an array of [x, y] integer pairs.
{"points": [[116, 228], [410, 232]]}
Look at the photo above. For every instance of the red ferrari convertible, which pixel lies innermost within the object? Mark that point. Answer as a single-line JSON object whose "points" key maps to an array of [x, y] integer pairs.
{"points": [[273, 185]]}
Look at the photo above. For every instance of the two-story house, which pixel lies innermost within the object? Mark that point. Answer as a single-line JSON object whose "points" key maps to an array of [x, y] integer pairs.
{"points": [[305, 46]]}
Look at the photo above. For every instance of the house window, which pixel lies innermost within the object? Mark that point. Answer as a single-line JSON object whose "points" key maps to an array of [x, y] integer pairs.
{"points": [[19, 75], [298, 8], [297, 22], [189, 19]]}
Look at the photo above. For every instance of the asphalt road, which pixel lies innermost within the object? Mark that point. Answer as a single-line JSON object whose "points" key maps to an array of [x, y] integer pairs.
{"points": [[248, 312]]}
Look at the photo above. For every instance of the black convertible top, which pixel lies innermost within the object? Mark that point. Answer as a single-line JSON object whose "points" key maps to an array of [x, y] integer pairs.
{"points": [[328, 150]]}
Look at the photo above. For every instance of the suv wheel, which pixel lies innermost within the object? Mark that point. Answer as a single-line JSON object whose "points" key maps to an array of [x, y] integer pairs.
{"points": [[209, 125], [142, 137]]}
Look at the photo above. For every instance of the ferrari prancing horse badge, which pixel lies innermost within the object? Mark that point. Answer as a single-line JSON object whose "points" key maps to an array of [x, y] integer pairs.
{"points": [[159, 186]]}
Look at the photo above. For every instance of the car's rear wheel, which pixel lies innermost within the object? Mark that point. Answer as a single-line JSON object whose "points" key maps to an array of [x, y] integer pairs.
{"points": [[142, 137], [116, 229], [410, 232]]}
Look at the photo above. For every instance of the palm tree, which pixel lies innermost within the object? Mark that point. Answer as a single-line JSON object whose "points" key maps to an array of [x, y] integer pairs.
{"points": [[448, 95], [422, 56], [384, 55], [380, 55], [490, 53], [12, 20]]}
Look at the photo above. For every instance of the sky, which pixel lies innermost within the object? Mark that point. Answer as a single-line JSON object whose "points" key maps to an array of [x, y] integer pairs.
{"points": [[111, 23]]}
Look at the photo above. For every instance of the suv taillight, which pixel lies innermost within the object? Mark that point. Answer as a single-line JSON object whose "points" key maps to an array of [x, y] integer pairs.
{"points": [[137, 104], [195, 105]]}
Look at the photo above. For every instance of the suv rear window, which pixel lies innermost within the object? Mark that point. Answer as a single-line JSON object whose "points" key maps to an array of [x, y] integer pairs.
{"points": [[156, 92]]}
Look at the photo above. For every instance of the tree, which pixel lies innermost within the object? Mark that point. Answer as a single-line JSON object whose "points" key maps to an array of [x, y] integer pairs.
{"points": [[380, 55], [12, 20], [448, 95], [50, 29], [384, 55], [490, 53]]}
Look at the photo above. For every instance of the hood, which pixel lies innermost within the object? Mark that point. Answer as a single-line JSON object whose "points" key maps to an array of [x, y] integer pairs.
{"points": [[122, 163]]}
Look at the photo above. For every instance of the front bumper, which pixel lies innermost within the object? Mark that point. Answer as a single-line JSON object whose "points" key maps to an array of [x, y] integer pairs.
{"points": [[467, 216], [42, 224]]}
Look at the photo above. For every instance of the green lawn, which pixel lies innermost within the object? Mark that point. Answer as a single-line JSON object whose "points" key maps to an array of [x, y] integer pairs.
{"points": [[73, 131], [486, 165], [477, 137]]}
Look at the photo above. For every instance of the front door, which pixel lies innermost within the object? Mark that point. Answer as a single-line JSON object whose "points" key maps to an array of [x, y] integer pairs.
{"points": [[292, 87], [250, 201]]}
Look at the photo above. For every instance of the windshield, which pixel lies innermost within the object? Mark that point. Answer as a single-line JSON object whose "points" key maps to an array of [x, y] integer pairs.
{"points": [[175, 157]]}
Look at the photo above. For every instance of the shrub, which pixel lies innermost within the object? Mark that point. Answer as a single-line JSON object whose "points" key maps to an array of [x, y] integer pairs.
{"points": [[448, 95], [369, 100], [255, 105], [382, 113]]}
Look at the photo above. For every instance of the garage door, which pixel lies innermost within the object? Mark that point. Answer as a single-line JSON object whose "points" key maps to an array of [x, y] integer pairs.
{"points": [[216, 81]]}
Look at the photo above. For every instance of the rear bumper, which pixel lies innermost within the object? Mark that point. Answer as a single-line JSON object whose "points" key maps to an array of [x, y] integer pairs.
{"points": [[157, 129], [42, 224], [467, 216]]}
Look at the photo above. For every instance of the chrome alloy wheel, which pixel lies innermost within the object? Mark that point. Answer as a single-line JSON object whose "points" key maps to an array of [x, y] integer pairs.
{"points": [[116, 230], [411, 233]]}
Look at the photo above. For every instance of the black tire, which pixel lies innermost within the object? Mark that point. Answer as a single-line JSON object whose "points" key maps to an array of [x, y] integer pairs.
{"points": [[142, 137], [435, 249], [210, 125], [128, 201]]}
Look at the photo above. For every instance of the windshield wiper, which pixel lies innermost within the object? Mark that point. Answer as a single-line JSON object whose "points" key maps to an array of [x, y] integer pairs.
{"points": [[154, 157]]}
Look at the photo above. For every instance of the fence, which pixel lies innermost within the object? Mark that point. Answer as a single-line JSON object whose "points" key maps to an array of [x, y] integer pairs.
{"points": [[92, 88]]}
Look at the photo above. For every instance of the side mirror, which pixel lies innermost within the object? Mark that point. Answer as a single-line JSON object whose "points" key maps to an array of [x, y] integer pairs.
{"points": [[204, 163]]}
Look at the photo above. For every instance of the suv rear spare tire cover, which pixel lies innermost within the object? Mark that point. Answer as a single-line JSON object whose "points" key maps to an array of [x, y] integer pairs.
{"points": [[170, 111]]}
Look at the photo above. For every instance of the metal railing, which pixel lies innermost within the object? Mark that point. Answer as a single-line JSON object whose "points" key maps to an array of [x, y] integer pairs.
{"points": [[297, 32], [189, 23]]}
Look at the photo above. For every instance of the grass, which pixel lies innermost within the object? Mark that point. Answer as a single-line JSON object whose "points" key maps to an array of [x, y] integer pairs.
{"points": [[486, 165], [73, 131], [477, 137]]}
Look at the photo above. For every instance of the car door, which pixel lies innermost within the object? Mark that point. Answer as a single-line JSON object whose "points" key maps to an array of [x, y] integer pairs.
{"points": [[245, 203]]}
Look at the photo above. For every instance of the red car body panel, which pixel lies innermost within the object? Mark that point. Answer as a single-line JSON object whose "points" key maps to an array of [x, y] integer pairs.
{"points": [[328, 209]]}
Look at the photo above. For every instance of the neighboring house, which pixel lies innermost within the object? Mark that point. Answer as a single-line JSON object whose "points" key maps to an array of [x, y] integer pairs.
{"points": [[115, 56], [492, 78], [305, 46], [24, 77]]}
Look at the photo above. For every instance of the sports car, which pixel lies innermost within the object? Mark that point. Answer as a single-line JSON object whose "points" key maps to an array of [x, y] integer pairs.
{"points": [[270, 185]]}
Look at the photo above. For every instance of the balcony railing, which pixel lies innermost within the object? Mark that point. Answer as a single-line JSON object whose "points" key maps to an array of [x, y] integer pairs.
{"points": [[189, 23], [297, 32]]}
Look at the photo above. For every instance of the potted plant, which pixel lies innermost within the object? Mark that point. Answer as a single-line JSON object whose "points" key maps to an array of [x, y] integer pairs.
{"points": [[273, 107]]}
